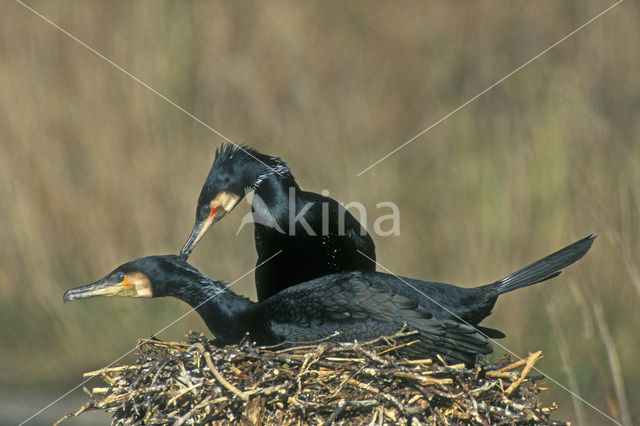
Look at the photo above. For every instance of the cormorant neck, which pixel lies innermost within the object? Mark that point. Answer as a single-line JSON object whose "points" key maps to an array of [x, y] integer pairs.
{"points": [[219, 307], [274, 173], [271, 197]]}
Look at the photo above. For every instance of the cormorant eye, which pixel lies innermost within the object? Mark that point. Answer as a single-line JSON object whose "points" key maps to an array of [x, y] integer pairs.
{"points": [[119, 277], [205, 209]]}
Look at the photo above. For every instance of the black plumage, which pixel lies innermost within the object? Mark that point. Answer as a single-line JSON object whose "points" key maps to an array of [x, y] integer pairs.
{"points": [[357, 305], [303, 235]]}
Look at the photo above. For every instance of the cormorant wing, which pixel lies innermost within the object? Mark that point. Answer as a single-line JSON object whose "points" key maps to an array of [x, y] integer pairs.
{"points": [[357, 308]]}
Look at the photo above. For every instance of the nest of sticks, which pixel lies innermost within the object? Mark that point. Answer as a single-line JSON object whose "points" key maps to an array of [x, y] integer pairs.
{"points": [[196, 382]]}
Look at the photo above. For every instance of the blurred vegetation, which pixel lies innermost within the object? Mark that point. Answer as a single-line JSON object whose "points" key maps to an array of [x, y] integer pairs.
{"points": [[97, 170]]}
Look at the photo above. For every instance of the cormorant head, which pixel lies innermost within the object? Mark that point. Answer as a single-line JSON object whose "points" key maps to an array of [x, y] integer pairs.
{"points": [[236, 170], [152, 276]]}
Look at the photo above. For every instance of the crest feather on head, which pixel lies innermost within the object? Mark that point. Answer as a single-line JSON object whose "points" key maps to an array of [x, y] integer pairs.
{"points": [[228, 153]]}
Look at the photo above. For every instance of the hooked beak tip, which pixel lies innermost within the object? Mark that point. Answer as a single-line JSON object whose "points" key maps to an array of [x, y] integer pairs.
{"points": [[196, 233], [184, 255], [188, 247]]}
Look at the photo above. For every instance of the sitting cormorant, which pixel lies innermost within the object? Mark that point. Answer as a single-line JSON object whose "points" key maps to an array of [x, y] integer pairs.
{"points": [[359, 305], [307, 234]]}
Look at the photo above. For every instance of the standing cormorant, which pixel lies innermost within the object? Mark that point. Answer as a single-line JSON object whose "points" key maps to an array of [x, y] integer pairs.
{"points": [[303, 234], [359, 305]]}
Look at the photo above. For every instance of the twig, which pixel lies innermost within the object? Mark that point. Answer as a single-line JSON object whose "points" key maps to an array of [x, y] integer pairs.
{"points": [[190, 413], [531, 359], [222, 380], [197, 383]]}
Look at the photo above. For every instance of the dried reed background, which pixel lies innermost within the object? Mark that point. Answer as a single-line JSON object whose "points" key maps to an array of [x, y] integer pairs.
{"points": [[96, 170]]}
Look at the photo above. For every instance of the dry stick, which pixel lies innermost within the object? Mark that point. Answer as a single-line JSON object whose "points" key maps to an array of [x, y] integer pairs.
{"points": [[222, 380], [184, 374], [182, 392], [296, 345], [339, 388], [473, 411], [513, 365], [415, 361], [390, 398], [110, 370], [357, 347], [157, 342], [402, 345], [342, 346], [380, 415], [190, 413], [501, 375], [424, 379], [266, 391], [531, 359], [82, 409], [342, 405], [394, 392], [160, 369]]}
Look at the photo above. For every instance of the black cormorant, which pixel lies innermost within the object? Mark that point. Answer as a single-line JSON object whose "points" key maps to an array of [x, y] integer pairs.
{"points": [[307, 234], [358, 304]]}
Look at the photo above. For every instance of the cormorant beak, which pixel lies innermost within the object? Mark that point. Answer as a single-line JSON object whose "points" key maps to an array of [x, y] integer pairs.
{"points": [[196, 233], [106, 287], [222, 204]]}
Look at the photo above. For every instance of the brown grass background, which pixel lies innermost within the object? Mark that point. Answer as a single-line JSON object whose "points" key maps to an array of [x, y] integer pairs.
{"points": [[96, 170]]}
